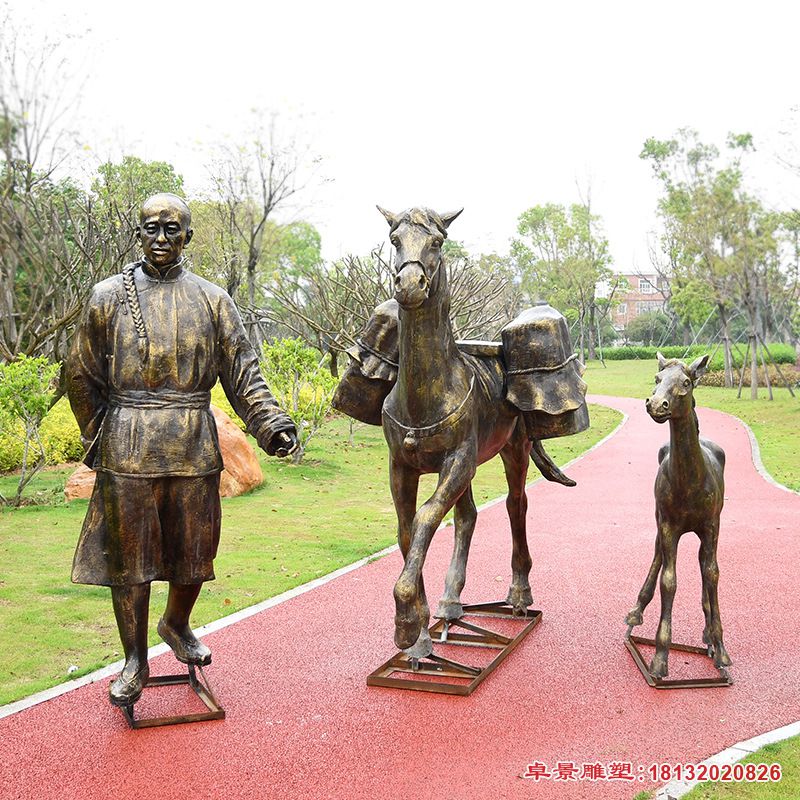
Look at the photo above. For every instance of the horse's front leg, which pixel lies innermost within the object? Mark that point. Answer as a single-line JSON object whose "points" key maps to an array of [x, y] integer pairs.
{"points": [[412, 614], [404, 483], [669, 583], [465, 517]]}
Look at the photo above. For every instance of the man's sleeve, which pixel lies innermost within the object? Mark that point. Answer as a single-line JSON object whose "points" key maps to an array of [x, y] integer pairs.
{"points": [[241, 378], [87, 375]]}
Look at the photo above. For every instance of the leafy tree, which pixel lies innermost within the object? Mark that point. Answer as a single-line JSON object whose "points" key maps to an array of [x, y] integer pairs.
{"points": [[27, 388], [654, 328], [301, 384], [698, 209], [562, 255]]}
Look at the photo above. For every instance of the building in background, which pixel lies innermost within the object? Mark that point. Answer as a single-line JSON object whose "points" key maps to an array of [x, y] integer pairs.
{"points": [[645, 294]]}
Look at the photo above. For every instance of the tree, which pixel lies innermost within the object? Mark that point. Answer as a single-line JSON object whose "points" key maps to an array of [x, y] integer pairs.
{"points": [[27, 387], [250, 183], [698, 210], [302, 386], [328, 305], [562, 255]]}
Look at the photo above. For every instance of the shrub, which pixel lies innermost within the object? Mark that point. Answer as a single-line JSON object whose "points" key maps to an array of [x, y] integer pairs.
{"points": [[302, 385], [782, 353], [27, 388]]}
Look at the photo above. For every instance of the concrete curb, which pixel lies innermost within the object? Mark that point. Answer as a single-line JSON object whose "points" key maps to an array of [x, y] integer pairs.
{"points": [[112, 669], [730, 755]]}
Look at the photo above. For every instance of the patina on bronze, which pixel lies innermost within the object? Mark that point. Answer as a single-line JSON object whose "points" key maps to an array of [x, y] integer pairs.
{"points": [[446, 411], [689, 491], [151, 344]]}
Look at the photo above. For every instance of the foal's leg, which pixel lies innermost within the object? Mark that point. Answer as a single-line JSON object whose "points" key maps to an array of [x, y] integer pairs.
{"points": [[648, 587], [412, 614], [710, 572], [465, 517], [669, 582], [515, 457]]}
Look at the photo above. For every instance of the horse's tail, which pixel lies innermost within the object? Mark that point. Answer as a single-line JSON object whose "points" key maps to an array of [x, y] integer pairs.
{"points": [[547, 466]]}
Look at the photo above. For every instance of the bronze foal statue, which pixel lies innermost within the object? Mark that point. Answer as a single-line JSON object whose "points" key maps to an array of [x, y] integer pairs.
{"points": [[689, 492]]}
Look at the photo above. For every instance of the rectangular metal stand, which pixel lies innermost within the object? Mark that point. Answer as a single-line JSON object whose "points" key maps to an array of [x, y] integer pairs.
{"points": [[631, 643], [200, 688], [468, 635]]}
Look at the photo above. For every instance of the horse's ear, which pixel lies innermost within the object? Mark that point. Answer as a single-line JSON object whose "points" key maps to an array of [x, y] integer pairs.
{"points": [[698, 368], [662, 362], [390, 218], [449, 217]]}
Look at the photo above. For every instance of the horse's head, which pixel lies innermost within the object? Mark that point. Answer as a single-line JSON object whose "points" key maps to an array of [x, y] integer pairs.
{"points": [[417, 235], [675, 382]]}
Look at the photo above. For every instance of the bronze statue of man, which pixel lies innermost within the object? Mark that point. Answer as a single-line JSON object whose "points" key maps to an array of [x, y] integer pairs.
{"points": [[151, 344]]}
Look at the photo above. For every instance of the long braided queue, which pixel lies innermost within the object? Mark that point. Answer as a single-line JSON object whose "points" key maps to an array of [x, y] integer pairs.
{"points": [[136, 310]]}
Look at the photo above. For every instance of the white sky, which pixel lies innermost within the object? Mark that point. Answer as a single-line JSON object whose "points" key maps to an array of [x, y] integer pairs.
{"points": [[494, 106]]}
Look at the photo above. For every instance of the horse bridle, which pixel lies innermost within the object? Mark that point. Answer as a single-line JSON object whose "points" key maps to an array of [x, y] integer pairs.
{"points": [[433, 277]]}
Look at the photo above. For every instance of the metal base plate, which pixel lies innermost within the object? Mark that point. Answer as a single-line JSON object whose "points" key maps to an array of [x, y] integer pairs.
{"points": [[631, 643], [463, 633], [199, 686]]}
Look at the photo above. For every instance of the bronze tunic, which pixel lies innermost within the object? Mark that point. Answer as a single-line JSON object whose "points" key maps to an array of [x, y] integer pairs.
{"points": [[150, 420]]}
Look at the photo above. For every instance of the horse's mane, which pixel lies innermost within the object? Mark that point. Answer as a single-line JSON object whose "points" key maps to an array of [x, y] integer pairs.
{"points": [[423, 217]]}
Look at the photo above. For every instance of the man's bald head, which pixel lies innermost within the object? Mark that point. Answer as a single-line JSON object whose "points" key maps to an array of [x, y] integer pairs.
{"points": [[165, 201], [164, 229]]}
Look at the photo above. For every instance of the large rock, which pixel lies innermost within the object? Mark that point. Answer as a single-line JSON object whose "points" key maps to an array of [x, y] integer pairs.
{"points": [[241, 474]]}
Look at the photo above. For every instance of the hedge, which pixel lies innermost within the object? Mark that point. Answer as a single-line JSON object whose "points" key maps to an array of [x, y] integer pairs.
{"points": [[782, 353]]}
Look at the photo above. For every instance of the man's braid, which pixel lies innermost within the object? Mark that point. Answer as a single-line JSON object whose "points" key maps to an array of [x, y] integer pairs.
{"points": [[136, 310]]}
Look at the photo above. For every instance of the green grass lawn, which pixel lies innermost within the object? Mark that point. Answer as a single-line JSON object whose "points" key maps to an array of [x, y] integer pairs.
{"points": [[303, 522]]}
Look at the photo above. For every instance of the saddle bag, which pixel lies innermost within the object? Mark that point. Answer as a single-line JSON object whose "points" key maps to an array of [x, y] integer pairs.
{"points": [[543, 374], [372, 370]]}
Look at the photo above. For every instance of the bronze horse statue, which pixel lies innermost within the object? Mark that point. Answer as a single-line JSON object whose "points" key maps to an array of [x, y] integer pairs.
{"points": [[447, 410], [689, 492]]}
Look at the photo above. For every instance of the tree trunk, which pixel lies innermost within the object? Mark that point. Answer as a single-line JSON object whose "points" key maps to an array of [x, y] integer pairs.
{"points": [[592, 326], [726, 341], [753, 367], [334, 362]]}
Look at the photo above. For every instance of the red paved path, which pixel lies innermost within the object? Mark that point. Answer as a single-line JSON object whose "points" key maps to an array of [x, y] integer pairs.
{"points": [[302, 724]]}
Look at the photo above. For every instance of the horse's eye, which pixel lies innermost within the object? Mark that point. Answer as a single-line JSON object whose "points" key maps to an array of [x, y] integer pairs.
{"points": [[686, 382], [658, 380], [395, 241]]}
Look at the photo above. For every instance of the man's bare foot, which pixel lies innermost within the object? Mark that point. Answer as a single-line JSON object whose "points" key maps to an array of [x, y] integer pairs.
{"points": [[187, 647]]}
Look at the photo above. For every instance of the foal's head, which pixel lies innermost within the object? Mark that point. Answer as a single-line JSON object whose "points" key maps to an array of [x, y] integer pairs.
{"points": [[672, 397], [417, 235]]}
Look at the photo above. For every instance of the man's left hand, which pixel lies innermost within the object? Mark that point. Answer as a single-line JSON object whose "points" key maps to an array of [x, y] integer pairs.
{"points": [[283, 444]]}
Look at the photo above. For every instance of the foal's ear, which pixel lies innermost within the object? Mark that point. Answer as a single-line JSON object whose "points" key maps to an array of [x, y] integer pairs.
{"points": [[662, 362], [390, 218], [698, 368], [448, 217]]}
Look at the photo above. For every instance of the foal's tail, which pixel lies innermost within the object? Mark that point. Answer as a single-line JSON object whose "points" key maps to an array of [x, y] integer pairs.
{"points": [[547, 466]]}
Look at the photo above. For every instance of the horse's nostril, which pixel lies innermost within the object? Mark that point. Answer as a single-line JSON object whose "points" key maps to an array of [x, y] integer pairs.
{"points": [[421, 281], [397, 281], [665, 404]]}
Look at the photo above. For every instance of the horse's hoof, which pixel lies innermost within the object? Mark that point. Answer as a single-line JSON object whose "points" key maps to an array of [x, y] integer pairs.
{"points": [[634, 618], [450, 609], [721, 657], [422, 648], [658, 666], [520, 600]]}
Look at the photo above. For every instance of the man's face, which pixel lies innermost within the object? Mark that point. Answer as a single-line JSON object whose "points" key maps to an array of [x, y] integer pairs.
{"points": [[163, 232]]}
